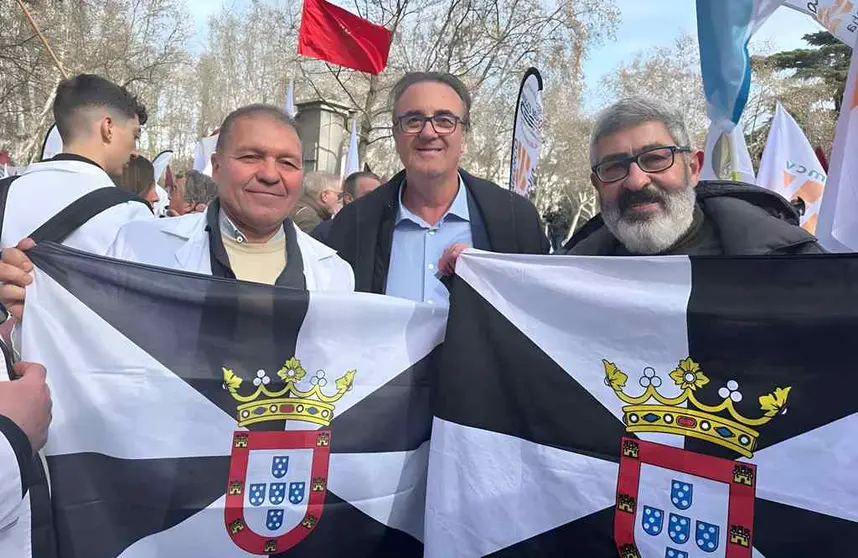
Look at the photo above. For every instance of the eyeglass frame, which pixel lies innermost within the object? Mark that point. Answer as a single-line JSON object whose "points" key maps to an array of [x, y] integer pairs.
{"points": [[627, 161], [397, 122]]}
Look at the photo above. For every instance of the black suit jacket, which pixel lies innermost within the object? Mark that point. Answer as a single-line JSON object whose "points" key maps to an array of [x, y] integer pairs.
{"points": [[362, 232]]}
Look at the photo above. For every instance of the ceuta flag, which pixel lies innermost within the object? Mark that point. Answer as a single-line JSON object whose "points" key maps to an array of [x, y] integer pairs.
{"points": [[665, 407], [335, 35], [195, 416]]}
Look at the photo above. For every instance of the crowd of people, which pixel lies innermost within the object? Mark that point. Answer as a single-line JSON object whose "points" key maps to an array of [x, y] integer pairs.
{"points": [[261, 218]]}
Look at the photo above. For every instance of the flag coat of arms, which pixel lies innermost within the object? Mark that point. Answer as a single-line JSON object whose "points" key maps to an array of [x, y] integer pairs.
{"points": [[660, 407], [195, 416]]}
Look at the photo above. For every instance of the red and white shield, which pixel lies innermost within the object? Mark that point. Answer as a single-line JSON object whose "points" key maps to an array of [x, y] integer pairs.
{"points": [[276, 490], [680, 504]]}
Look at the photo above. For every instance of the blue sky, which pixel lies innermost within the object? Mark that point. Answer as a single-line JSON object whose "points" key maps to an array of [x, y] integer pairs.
{"points": [[650, 23], [643, 24]]}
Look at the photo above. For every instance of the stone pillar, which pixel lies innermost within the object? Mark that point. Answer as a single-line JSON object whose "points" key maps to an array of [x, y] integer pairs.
{"points": [[323, 127]]}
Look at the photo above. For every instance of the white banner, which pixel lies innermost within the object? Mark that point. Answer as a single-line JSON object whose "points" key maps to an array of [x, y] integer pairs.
{"points": [[53, 143], [837, 228], [726, 156], [790, 167], [203, 154], [840, 17], [527, 136]]}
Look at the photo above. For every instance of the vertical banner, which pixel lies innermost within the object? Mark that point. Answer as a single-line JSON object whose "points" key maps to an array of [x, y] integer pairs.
{"points": [[527, 133], [791, 168], [837, 228]]}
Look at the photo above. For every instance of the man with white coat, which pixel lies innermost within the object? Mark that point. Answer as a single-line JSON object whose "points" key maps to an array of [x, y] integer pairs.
{"points": [[99, 123], [246, 233]]}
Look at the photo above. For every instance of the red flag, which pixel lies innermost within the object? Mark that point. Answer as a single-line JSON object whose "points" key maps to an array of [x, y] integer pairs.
{"points": [[335, 35]]}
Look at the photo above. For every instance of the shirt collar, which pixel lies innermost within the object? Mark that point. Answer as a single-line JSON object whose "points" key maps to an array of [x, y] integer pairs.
{"points": [[228, 229], [73, 157], [459, 207]]}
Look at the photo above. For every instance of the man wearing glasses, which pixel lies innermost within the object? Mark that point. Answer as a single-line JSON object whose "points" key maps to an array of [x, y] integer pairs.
{"points": [[322, 199], [646, 175], [394, 236]]}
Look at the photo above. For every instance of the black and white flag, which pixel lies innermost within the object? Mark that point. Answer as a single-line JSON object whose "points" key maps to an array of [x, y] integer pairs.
{"points": [[659, 407], [196, 416]]}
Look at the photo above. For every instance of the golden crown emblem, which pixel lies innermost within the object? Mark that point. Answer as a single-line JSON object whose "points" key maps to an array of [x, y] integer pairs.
{"points": [[653, 412], [289, 402]]}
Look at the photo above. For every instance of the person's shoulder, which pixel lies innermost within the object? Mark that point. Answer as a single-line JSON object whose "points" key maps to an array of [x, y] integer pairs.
{"points": [[178, 226]]}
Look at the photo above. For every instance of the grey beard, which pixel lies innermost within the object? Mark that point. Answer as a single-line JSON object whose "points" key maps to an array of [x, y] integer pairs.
{"points": [[658, 233]]}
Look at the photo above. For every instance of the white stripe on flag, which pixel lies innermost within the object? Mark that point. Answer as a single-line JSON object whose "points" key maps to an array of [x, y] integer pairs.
{"points": [[820, 481], [504, 490], [599, 308], [110, 396], [202, 534], [388, 487]]}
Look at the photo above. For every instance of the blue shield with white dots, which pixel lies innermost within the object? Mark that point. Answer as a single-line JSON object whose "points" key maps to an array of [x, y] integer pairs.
{"points": [[280, 466], [274, 519], [673, 553], [296, 492], [706, 535], [652, 521], [681, 493], [678, 528], [277, 493], [257, 494]]}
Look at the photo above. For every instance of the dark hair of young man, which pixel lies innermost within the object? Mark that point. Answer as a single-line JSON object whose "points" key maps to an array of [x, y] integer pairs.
{"points": [[86, 91]]}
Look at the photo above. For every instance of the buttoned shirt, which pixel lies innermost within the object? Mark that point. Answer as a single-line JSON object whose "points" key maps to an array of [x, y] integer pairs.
{"points": [[417, 247]]}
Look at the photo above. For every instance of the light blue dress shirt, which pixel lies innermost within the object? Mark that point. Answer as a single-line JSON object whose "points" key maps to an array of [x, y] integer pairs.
{"points": [[417, 247]]}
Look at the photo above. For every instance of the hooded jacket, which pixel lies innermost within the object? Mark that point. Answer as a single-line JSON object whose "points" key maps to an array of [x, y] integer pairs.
{"points": [[749, 220]]}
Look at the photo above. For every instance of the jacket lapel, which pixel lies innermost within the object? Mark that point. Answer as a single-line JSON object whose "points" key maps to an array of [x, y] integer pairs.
{"points": [[375, 237], [498, 218], [194, 252]]}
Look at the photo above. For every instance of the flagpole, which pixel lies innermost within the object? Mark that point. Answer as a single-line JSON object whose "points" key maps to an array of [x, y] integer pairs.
{"points": [[43, 39]]}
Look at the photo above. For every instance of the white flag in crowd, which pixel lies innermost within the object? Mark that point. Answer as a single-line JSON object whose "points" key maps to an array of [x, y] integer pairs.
{"points": [[840, 17], [837, 228], [203, 154], [726, 156], [791, 168]]}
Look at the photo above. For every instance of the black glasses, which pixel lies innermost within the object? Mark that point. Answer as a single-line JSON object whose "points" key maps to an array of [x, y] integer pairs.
{"points": [[413, 124], [657, 159]]}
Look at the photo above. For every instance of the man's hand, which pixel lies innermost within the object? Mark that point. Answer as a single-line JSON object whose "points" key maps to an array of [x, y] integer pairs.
{"points": [[447, 263], [27, 402], [15, 274]]}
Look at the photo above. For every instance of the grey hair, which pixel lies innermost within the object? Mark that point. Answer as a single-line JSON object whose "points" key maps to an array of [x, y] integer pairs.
{"points": [[633, 111], [317, 182], [199, 188], [451, 81], [256, 109]]}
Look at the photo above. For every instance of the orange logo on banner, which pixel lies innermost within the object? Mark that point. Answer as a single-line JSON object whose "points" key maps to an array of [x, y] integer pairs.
{"points": [[522, 170], [788, 178]]}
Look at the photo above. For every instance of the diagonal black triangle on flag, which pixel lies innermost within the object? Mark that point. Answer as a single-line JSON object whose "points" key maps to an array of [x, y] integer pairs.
{"points": [[780, 326], [592, 535], [560, 412], [182, 320]]}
